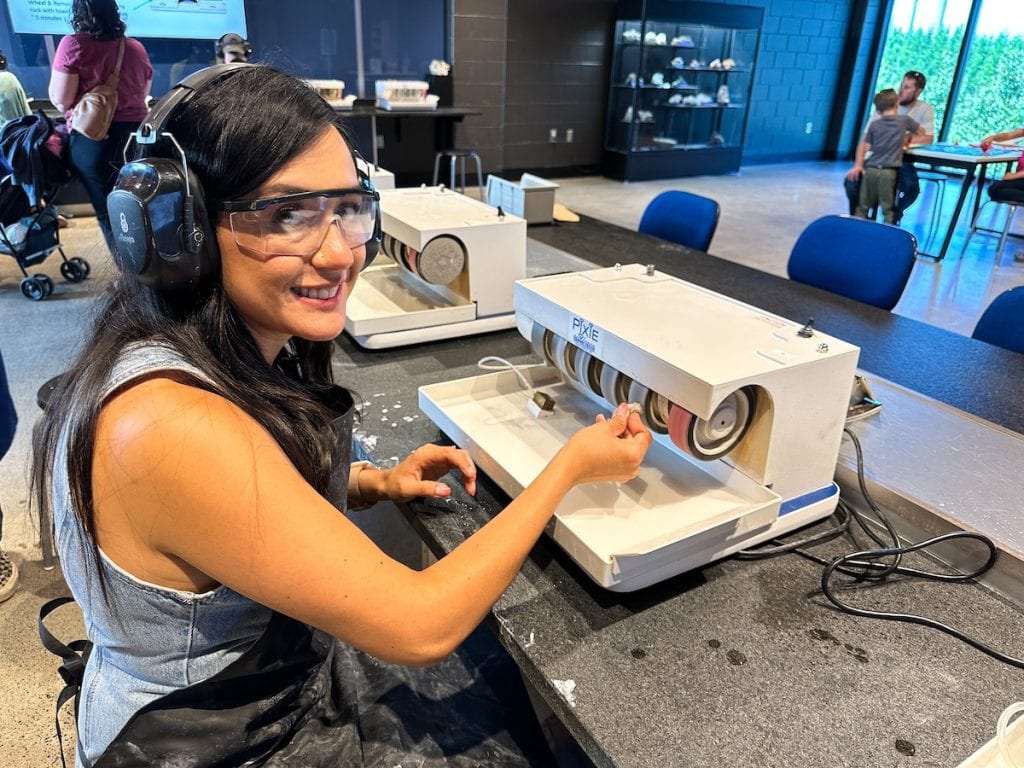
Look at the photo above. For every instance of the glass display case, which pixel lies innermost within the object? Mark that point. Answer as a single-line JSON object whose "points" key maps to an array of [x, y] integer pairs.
{"points": [[680, 88]]}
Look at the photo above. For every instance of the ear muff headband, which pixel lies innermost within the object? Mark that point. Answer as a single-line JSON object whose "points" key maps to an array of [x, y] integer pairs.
{"points": [[160, 113], [162, 232]]}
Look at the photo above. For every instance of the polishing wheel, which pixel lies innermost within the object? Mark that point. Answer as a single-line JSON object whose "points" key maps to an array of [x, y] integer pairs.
{"points": [[542, 338], [715, 437], [441, 260], [563, 357], [614, 385], [656, 407], [589, 369]]}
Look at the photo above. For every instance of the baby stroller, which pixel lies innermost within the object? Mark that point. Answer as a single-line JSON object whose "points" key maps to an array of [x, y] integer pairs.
{"points": [[30, 152]]}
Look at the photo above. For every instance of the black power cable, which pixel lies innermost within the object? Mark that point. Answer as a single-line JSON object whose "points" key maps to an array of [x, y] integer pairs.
{"points": [[865, 566]]}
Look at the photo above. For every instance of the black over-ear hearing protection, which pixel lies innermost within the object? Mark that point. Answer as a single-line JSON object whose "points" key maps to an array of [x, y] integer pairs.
{"points": [[162, 232], [363, 175], [231, 38]]}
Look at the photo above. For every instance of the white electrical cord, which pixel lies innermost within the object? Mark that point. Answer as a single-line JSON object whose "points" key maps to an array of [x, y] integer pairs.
{"points": [[1003, 737], [495, 363], [539, 404]]}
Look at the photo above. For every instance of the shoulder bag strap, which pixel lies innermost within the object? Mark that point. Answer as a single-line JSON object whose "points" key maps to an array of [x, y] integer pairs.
{"points": [[120, 58], [74, 657]]}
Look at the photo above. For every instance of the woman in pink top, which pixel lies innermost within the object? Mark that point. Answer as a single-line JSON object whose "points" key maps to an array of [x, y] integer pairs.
{"points": [[1009, 189], [83, 61]]}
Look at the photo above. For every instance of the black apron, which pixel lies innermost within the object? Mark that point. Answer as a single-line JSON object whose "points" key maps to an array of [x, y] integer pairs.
{"points": [[298, 697]]}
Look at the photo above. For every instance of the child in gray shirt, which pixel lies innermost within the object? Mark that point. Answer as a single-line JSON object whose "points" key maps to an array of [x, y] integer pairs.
{"points": [[886, 138]]}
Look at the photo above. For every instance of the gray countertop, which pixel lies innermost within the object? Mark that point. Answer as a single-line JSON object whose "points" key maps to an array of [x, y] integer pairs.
{"points": [[741, 662]]}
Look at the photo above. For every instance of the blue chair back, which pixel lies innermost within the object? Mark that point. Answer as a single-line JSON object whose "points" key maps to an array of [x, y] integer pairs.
{"points": [[681, 217], [856, 258], [1002, 323]]}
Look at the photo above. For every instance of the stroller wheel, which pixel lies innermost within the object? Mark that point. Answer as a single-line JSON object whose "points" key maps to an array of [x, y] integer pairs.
{"points": [[73, 272], [46, 281], [86, 269], [33, 288]]}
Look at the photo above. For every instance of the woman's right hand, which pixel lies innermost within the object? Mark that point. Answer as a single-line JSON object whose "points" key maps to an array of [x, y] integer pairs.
{"points": [[609, 450]]}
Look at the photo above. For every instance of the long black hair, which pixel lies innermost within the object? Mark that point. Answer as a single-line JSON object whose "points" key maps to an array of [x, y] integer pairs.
{"points": [[235, 133], [97, 18]]}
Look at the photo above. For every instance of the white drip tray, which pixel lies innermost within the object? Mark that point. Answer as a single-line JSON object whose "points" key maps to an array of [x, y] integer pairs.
{"points": [[678, 514], [387, 299]]}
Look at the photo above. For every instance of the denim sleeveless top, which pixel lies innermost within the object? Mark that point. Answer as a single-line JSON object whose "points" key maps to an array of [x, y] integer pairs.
{"points": [[147, 640]]}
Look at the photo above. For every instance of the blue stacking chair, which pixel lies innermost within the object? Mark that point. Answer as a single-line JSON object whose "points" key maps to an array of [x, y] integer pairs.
{"points": [[1002, 323], [681, 217], [856, 258]]}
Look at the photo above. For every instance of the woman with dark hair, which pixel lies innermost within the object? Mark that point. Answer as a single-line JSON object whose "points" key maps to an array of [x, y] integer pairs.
{"points": [[83, 61], [188, 458]]}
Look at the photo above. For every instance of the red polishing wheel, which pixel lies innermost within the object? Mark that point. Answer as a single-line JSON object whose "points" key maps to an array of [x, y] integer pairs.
{"points": [[679, 421], [713, 438]]}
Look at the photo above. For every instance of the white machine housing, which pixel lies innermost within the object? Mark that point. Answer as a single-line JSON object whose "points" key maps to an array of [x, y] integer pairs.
{"points": [[405, 94], [381, 178], [391, 306], [696, 348]]}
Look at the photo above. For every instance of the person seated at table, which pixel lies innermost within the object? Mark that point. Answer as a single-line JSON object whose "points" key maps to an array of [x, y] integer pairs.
{"points": [[1011, 187], [188, 456], [885, 139], [908, 186]]}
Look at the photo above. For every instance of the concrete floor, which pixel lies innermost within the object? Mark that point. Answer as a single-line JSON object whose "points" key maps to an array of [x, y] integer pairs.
{"points": [[764, 208]]}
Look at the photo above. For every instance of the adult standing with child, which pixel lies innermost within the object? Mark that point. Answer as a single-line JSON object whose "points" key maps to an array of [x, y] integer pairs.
{"points": [[908, 186], [887, 135], [85, 60]]}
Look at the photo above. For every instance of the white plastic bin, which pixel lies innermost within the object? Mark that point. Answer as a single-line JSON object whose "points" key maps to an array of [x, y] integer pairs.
{"points": [[532, 198]]}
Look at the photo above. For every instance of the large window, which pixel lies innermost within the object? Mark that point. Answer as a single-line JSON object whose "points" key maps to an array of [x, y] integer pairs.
{"points": [[971, 51], [925, 35], [991, 93]]}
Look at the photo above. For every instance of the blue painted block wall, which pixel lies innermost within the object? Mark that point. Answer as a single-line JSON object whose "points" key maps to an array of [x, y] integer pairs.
{"points": [[798, 70], [802, 43]]}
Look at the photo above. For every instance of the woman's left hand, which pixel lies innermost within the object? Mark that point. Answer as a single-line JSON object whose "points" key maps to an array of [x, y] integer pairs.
{"points": [[417, 475]]}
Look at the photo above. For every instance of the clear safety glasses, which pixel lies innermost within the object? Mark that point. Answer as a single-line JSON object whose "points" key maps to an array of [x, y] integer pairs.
{"points": [[297, 225]]}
